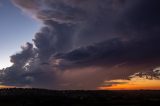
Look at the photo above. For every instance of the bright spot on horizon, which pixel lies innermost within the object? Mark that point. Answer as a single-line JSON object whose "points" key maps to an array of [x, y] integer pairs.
{"points": [[3, 86]]}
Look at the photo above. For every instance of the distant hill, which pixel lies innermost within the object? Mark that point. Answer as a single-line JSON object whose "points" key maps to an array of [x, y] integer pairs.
{"points": [[35, 97]]}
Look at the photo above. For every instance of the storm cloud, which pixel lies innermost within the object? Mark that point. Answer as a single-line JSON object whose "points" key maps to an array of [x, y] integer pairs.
{"points": [[84, 42]]}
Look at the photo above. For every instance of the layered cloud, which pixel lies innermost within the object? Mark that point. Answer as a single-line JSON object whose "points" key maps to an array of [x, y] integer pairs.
{"points": [[85, 42]]}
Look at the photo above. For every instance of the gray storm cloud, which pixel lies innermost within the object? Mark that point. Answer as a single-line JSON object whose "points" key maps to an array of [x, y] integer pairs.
{"points": [[85, 42]]}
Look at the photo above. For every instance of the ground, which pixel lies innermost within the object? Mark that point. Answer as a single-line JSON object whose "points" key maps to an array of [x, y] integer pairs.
{"points": [[35, 97]]}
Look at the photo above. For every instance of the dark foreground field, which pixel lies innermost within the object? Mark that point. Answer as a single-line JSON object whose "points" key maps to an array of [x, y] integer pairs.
{"points": [[37, 97]]}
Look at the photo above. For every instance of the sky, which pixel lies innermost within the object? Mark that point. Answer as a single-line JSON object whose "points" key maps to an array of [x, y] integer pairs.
{"points": [[15, 30], [80, 44]]}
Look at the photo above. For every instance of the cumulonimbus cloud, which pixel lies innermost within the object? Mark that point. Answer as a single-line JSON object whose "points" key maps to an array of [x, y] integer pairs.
{"points": [[84, 42]]}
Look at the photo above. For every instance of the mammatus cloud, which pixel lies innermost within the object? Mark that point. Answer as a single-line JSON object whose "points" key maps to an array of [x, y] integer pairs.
{"points": [[85, 42]]}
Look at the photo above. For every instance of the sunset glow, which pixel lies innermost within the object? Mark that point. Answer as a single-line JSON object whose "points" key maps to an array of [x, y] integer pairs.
{"points": [[133, 84], [3, 86]]}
